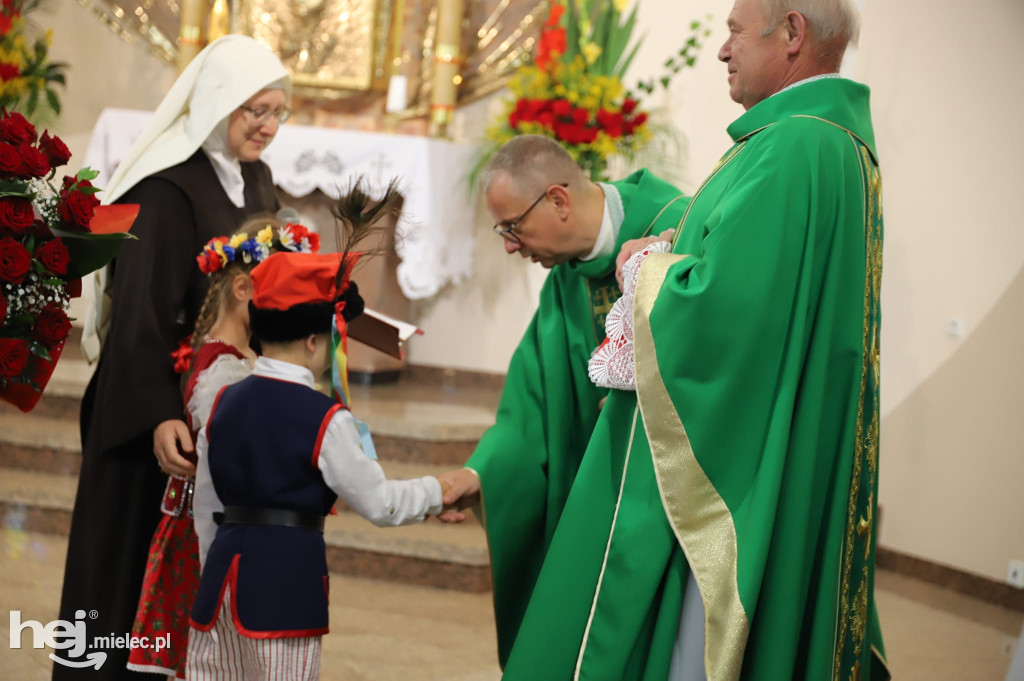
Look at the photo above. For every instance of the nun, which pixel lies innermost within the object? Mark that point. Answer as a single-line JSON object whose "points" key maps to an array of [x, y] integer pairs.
{"points": [[195, 172]]}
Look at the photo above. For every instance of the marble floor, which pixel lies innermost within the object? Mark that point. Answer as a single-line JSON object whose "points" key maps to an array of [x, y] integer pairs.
{"points": [[389, 632]]}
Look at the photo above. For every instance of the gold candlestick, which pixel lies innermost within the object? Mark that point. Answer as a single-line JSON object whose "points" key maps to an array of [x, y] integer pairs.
{"points": [[447, 60], [190, 35]]}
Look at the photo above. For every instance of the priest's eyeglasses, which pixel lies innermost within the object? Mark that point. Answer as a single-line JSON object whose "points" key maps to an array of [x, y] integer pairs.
{"points": [[261, 115], [505, 228]]}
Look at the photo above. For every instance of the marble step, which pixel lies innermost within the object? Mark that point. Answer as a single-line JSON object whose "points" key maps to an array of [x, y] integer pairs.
{"points": [[428, 554], [50, 445], [413, 423]]}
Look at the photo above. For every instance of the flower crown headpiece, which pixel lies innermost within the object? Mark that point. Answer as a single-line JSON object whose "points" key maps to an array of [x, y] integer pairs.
{"points": [[221, 250]]}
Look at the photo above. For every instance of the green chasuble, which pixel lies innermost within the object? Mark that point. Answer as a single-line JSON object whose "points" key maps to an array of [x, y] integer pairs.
{"points": [[749, 452], [527, 461]]}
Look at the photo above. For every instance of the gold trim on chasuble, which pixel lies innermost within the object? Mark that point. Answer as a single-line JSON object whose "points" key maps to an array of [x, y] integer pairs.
{"points": [[852, 611], [710, 553], [701, 521]]}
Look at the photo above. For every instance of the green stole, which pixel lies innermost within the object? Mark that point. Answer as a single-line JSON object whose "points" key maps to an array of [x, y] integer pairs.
{"points": [[528, 460], [749, 452]]}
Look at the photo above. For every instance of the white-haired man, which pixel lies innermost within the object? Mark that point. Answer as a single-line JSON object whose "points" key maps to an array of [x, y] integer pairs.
{"points": [[722, 522]]}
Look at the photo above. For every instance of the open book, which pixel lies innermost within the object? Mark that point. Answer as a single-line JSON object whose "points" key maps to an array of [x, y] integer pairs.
{"points": [[382, 332]]}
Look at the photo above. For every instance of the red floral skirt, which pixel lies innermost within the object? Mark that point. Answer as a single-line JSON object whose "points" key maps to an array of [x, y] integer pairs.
{"points": [[168, 588]]}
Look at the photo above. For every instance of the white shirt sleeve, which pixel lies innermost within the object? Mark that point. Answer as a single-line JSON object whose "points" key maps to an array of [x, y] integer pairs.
{"points": [[361, 482], [224, 370], [205, 501]]}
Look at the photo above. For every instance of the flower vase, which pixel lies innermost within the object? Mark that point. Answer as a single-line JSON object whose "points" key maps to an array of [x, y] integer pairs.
{"points": [[38, 371]]}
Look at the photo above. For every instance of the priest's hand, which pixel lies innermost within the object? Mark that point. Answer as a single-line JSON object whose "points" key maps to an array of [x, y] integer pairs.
{"points": [[636, 245], [167, 438], [461, 489]]}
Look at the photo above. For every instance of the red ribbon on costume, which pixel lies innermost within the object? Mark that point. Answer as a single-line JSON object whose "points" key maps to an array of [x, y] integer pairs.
{"points": [[183, 355]]}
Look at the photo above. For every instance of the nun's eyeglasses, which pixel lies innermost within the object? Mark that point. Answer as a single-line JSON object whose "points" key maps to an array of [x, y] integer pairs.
{"points": [[260, 116]]}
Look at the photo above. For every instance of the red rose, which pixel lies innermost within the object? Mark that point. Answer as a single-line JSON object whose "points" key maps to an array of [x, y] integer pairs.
{"points": [[580, 116], [629, 106], [562, 107], [314, 242], [10, 159], [3, 309], [33, 162], [14, 356], [54, 256], [9, 71], [639, 120], [52, 325], [16, 214], [546, 118], [588, 136], [610, 122], [56, 151], [14, 260], [14, 129], [76, 208]]}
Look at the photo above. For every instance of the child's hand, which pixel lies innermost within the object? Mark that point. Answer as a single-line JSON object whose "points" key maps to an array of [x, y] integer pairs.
{"points": [[460, 489], [166, 439]]}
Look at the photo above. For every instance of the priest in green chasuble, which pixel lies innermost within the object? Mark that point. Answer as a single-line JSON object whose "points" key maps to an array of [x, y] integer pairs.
{"points": [[549, 211], [722, 522]]}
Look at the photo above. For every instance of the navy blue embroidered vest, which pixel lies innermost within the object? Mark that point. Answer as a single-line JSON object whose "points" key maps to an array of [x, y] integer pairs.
{"points": [[264, 437]]}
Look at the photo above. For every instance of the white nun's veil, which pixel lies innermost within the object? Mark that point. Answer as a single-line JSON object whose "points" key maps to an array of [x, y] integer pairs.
{"points": [[217, 81]]}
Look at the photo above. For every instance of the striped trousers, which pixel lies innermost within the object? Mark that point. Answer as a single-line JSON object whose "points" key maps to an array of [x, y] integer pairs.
{"points": [[222, 654]]}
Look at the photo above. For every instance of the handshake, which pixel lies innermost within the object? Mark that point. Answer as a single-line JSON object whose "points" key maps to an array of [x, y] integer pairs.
{"points": [[460, 489]]}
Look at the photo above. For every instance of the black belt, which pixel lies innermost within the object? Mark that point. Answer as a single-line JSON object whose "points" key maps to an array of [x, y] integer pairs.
{"points": [[280, 517]]}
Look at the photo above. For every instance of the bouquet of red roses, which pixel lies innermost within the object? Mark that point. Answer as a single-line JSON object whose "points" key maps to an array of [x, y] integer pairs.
{"points": [[50, 237]]}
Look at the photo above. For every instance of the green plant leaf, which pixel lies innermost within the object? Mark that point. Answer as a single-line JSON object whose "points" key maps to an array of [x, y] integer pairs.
{"points": [[39, 350], [572, 33], [53, 101], [87, 173], [629, 59], [600, 37]]}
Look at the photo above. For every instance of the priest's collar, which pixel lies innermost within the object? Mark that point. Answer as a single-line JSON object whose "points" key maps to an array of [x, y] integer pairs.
{"points": [[611, 223], [839, 101]]}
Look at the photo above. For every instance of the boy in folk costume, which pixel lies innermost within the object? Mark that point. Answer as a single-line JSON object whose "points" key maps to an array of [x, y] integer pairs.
{"points": [[218, 355], [273, 459]]}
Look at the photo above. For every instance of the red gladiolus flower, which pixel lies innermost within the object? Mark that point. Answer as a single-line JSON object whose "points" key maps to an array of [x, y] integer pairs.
{"points": [[551, 46], [555, 15]]}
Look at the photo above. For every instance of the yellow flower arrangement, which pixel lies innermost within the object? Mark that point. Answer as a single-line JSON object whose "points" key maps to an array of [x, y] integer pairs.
{"points": [[573, 91], [27, 77]]}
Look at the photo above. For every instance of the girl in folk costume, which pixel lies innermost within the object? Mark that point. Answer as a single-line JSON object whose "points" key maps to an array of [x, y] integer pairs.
{"points": [[273, 458], [195, 171], [218, 355]]}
